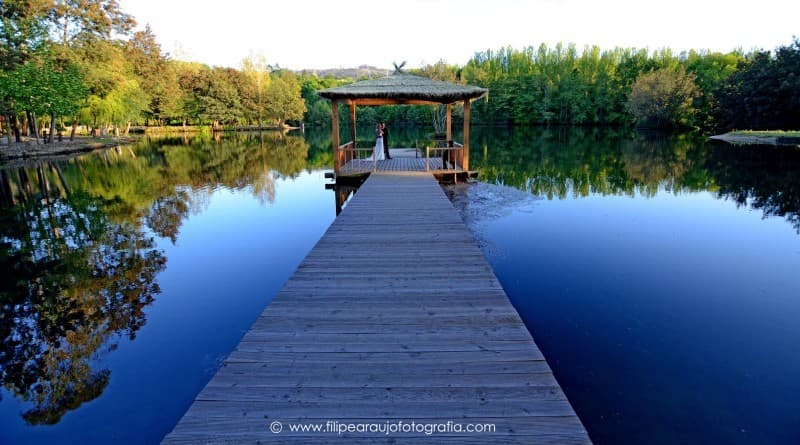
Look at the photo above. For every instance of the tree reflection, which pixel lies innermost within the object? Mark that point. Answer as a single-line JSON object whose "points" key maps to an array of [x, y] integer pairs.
{"points": [[562, 162], [764, 178], [165, 180], [75, 281], [80, 260]]}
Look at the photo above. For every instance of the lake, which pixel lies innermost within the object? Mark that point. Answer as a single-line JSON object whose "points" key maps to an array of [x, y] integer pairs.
{"points": [[658, 274]]}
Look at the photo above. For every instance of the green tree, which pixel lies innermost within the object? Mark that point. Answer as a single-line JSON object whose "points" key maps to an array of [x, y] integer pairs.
{"points": [[711, 70], [764, 93], [318, 109], [219, 95], [283, 100], [89, 20], [664, 99], [50, 88], [23, 30], [190, 77], [23, 33], [257, 71], [125, 102], [155, 74]]}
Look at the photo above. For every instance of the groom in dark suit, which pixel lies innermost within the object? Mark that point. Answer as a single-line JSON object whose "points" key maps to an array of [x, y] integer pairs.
{"points": [[385, 140]]}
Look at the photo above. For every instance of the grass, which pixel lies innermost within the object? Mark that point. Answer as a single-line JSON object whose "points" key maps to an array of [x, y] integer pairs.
{"points": [[766, 134]]}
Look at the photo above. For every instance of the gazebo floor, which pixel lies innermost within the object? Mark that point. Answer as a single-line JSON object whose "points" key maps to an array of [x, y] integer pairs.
{"points": [[403, 160]]}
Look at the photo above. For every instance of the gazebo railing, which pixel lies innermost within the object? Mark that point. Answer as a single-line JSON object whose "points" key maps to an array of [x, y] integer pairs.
{"points": [[448, 156], [439, 157], [355, 160]]}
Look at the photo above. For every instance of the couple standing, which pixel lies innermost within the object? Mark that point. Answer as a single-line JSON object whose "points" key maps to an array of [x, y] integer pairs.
{"points": [[381, 150]]}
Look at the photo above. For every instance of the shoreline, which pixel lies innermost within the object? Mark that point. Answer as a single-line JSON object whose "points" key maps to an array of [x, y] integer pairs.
{"points": [[28, 150], [756, 139]]}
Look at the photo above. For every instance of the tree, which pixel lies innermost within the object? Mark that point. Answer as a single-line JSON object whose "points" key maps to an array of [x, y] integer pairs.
{"points": [[155, 74], [257, 71], [217, 96], [191, 83], [23, 33], [711, 70], [283, 100], [318, 109], [89, 20], [83, 31], [23, 30], [664, 99], [764, 93], [124, 103], [43, 87], [50, 88]]}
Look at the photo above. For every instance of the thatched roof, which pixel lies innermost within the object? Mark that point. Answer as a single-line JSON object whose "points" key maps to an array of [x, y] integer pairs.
{"points": [[404, 87]]}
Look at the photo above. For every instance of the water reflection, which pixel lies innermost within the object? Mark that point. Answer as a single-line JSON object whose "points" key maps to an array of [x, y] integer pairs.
{"points": [[669, 317], [763, 178], [564, 162], [75, 280], [81, 264], [86, 243]]}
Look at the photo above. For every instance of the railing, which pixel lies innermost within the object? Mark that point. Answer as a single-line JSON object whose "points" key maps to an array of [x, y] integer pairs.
{"points": [[451, 154], [354, 160], [440, 157]]}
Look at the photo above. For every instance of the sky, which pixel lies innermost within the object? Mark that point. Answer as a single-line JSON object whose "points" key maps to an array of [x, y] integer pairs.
{"points": [[311, 34]]}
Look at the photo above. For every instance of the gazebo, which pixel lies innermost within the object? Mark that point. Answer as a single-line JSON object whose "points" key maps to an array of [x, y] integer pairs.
{"points": [[400, 89]]}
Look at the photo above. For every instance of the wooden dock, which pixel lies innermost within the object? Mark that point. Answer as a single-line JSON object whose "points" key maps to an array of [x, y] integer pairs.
{"points": [[394, 316]]}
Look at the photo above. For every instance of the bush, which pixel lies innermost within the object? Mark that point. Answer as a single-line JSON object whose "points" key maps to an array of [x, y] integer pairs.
{"points": [[664, 99]]}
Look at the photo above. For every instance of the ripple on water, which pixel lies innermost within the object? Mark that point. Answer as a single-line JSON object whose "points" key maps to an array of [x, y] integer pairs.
{"points": [[478, 203]]}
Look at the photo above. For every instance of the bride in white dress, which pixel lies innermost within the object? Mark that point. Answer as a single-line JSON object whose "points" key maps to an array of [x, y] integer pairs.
{"points": [[377, 152]]}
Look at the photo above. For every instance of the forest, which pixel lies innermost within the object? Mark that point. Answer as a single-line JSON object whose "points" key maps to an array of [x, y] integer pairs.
{"points": [[79, 62], [71, 63], [561, 85]]}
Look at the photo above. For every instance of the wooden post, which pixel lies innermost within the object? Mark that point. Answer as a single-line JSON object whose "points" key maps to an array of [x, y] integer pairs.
{"points": [[352, 129], [465, 150], [448, 119], [335, 136], [353, 122]]}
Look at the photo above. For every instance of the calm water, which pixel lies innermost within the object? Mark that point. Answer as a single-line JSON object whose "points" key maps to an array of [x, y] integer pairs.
{"points": [[658, 275]]}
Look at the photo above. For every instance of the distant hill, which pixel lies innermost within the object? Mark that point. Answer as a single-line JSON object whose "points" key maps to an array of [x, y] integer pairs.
{"points": [[355, 73]]}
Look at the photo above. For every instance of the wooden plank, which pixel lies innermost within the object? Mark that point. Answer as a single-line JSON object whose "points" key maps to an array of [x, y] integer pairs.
{"points": [[398, 358], [212, 438], [266, 370], [241, 404], [393, 315], [522, 430], [380, 395]]}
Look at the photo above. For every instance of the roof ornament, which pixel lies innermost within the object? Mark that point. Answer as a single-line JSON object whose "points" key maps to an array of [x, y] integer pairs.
{"points": [[398, 69]]}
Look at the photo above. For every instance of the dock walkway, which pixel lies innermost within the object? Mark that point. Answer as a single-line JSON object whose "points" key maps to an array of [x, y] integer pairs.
{"points": [[394, 316]]}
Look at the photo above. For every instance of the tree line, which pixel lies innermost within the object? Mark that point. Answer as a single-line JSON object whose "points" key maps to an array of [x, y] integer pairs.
{"points": [[562, 85], [65, 63], [695, 89]]}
